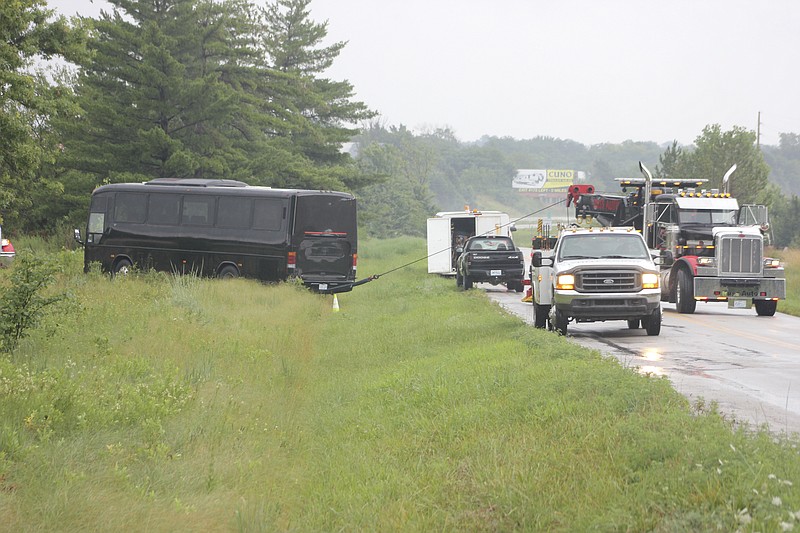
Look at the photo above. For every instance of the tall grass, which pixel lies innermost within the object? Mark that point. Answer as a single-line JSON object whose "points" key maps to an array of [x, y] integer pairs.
{"points": [[791, 262], [179, 404]]}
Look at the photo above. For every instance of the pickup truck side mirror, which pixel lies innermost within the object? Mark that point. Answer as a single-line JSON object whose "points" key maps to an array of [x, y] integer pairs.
{"points": [[538, 261], [459, 249], [78, 236], [513, 227]]}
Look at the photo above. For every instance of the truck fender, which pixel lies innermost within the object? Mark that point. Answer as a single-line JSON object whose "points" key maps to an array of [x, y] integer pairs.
{"points": [[688, 263]]}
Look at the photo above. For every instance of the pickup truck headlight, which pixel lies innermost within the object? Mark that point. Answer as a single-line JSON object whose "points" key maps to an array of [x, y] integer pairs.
{"points": [[565, 282], [649, 280]]}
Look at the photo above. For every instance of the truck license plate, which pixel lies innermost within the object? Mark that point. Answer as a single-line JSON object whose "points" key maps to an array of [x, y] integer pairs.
{"points": [[740, 303], [323, 286], [495, 272]]}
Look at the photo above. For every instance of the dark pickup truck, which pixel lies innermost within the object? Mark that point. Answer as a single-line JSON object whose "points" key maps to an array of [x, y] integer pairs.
{"points": [[490, 259]]}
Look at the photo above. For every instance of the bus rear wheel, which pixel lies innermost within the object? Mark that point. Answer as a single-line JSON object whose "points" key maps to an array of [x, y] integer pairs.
{"points": [[228, 272]]}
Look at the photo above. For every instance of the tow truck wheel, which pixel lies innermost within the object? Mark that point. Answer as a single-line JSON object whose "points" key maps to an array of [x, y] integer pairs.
{"points": [[765, 307], [684, 293], [540, 315], [633, 324], [652, 323], [467, 283]]}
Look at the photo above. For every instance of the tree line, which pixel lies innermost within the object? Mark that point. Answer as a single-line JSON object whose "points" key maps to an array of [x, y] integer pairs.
{"points": [[231, 89]]}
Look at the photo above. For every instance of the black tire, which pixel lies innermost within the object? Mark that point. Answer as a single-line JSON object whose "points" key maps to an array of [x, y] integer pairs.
{"points": [[459, 279], [561, 323], [517, 286], [652, 323], [467, 283], [633, 324], [765, 307], [540, 315], [228, 272], [684, 293], [122, 267]]}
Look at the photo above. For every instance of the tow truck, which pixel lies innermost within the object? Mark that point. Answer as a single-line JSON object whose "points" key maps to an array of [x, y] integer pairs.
{"points": [[710, 248]]}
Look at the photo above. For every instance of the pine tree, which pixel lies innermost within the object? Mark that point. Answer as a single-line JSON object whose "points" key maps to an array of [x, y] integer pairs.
{"points": [[27, 102], [292, 46]]}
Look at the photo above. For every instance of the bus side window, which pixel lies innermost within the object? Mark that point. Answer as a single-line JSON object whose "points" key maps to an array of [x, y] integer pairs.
{"points": [[269, 214], [234, 212], [197, 210], [164, 209], [130, 207]]}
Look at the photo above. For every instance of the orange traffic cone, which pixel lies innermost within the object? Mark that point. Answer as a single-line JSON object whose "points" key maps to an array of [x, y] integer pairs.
{"points": [[335, 304], [528, 295]]}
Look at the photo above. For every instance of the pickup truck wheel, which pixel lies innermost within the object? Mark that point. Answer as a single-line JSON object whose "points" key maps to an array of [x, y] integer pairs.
{"points": [[633, 324], [765, 307], [540, 315], [684, 293], [561, 323], [652, 323], [459, 279], [467, 283]]}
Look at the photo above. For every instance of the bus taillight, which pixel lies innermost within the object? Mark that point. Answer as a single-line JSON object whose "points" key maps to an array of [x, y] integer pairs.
{"points": [[355, 261], [291, 260]]}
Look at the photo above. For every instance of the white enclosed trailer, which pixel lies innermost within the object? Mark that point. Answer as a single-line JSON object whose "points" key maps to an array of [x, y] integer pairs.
{"points": [[449, 229]]}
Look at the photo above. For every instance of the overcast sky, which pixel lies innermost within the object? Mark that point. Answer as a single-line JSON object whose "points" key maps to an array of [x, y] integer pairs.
{"points": [[588, 70]]}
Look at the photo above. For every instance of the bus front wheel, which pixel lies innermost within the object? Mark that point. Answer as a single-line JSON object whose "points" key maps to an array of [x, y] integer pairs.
{"points": [[122, 267], [228, 272]]}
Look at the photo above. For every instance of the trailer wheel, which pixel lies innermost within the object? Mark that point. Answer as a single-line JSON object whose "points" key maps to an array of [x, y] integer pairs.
{"points": [[766, 307], [684, 293], [540, 313], [633, 324], [467, 283], [652, 323]]}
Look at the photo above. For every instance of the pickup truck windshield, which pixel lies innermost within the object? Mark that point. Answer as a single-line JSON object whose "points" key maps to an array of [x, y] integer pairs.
{"points": [[596, 246]]}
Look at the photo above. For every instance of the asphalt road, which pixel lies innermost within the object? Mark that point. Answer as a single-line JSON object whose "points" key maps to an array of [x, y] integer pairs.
{"points": [[749, 365]]}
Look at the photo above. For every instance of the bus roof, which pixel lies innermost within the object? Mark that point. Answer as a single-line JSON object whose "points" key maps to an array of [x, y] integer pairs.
{"points": [[211, 186]]}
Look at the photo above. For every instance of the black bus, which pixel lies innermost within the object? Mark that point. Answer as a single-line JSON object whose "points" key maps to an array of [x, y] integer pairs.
{"points": [[224, 228]]}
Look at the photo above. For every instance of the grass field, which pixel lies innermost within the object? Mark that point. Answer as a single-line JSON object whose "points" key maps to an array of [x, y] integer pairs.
{"points": [[176, 404]]}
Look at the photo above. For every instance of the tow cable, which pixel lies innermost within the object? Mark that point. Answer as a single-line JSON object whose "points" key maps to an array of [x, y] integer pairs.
{"points": [[349, 286]]}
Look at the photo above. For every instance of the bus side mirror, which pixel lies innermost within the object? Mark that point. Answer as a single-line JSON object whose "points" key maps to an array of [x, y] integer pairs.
{"points": [[78, 236]]}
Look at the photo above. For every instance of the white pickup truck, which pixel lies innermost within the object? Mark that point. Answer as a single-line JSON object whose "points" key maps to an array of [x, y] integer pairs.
{"points": [[593, 275]]}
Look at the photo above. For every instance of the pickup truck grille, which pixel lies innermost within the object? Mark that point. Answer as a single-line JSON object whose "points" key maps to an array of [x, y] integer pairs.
{"points": [[741, 255], [608, 281]]}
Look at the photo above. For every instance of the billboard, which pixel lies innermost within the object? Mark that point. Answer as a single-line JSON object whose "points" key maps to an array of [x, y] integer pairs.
{"points": [[546, 179]]}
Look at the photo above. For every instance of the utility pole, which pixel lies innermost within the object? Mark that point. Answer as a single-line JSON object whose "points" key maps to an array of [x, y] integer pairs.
{"points": [[758, 132]]}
